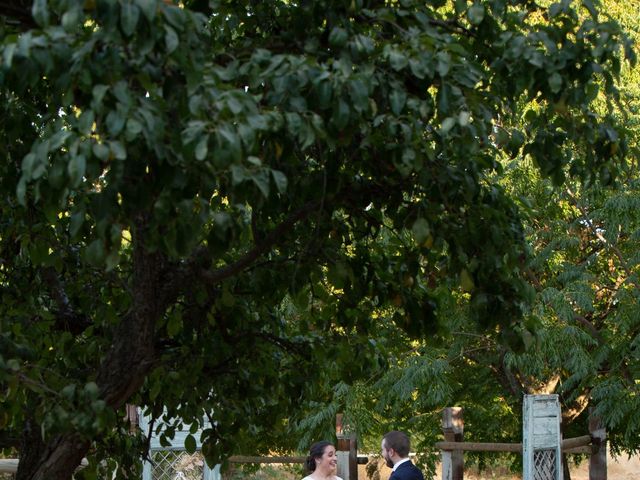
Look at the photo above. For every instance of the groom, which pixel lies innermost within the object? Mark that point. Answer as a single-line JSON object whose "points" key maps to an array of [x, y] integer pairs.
{"points": [[395, 451]]}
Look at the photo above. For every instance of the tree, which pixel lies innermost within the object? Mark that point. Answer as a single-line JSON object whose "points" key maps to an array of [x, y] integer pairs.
{"points": [[194, 196], [580, 335]]}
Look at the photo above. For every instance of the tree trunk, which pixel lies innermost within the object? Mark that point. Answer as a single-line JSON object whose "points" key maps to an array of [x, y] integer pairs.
{"points": [[58, 458], [120, 375]]}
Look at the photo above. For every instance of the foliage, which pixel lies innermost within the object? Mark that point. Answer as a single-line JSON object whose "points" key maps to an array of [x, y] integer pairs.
{"points": [[209, 207], [580, 335]]}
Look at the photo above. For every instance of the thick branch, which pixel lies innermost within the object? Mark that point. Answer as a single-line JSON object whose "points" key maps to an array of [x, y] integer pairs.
{"points": [[271, 239], [132, 353], [571, 412]]}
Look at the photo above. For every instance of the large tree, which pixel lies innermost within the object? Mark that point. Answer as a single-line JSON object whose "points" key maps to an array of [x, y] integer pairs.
{"points": [[196, 197]]}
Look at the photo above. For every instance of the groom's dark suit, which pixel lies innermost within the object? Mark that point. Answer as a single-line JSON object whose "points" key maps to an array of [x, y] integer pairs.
{"points": [[407, 471]]}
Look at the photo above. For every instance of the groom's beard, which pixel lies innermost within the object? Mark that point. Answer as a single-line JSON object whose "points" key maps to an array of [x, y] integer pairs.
{"points": [[389, 462]]}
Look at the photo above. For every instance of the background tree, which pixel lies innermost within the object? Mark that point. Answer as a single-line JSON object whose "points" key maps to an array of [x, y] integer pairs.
{"points": [[198, 196], [580, 336]]}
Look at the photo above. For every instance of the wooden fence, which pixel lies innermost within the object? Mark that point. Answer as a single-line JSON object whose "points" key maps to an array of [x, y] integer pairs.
{"points": [[453, 446], [346, 450]]}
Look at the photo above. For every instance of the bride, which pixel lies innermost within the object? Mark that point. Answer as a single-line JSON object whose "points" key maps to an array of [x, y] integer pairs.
{"points": [[322, 462]]}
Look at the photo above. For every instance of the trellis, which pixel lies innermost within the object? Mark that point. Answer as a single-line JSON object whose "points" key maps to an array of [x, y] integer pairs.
{"points": [[174, 462], [541, 438]]}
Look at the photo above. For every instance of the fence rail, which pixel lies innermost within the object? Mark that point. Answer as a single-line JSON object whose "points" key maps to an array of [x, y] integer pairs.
{"points": [[249, 459], [568, 445]]}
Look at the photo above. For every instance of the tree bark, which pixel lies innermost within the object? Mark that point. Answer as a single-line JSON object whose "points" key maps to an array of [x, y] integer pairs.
{"points": [[121, 373], [57, 458]]}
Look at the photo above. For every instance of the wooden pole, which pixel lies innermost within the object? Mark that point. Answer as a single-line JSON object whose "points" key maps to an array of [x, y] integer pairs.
{"points": [[453, 430], [598, 458], [347, 451]]}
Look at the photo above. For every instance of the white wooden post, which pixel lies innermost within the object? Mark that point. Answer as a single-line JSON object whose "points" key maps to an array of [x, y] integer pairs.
{"points": [[347, 451], [598, 458], [541, 438], [453, 430]]}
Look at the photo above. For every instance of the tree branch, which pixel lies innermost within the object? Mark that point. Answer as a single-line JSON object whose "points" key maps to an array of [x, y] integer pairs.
{"points": [[66, 317], [216, 276]]}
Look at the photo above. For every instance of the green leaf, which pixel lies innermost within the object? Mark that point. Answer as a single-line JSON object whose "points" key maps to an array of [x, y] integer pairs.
{"points": [[101, 151], [476, 13], [76, 169], [40, 12], [115, 122], [555, 82], [58, 139], [118, 150], [190, 444], [463, 118], [171, 39], [280, 180], [7, 54], [398, 60], [340, 116], [238, 174], [420, 230], [447, 124], [95, 253], [397, 100], [28, 163], [85, 122], [134, 127], [69, 391], [98, 93], [129, 15], [21, 191], [202, 148], [466, 280], [444, 63], [555, 9], [174, 15], [419, 68], [71, 18], [324, 92], [261, 180], [359, 95], [148, 8], [174, 325], [338, 37]]}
